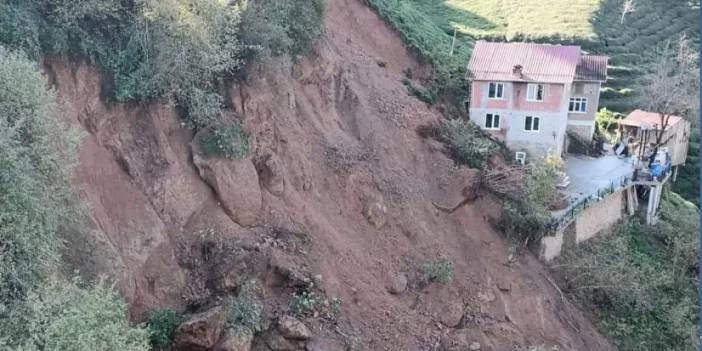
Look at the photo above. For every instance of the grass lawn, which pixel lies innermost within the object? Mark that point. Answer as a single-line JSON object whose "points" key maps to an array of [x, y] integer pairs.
{"points": [[533, 18]]}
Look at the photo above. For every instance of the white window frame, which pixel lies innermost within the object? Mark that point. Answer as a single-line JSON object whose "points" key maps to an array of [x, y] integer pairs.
{"points": [[499, 87], [520, 156], [492, 120], [581, 102], [533, 92], [531, 125]]}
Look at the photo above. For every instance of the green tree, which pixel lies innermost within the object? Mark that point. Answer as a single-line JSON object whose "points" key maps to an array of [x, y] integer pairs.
{"points": [[38, 310], [65, 316], [36, 152]]}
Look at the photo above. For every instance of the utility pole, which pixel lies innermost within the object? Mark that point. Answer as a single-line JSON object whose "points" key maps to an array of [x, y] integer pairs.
{"points": [[453, 42]]}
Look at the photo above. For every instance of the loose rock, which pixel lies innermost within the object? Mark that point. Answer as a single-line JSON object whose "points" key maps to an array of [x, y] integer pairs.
{"points": [[397, 283], [236, 184], [277, 342], [291, 328], [201, 331], [504, 285], [238, 339], [375, 212], [270, 170]]}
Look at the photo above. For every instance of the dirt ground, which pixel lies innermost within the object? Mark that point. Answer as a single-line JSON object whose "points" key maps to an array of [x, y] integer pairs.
{"points": [[338, 186]]}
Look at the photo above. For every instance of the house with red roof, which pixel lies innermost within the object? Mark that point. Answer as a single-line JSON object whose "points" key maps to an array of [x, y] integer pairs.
{"points": [[532, 95], [640, 129]]}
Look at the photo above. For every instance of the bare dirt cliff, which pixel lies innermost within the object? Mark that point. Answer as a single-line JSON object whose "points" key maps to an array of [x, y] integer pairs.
{"points": [[338, 186]]}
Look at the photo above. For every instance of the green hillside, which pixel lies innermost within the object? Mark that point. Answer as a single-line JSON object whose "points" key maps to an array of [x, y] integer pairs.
{"points": [[537, 18]]}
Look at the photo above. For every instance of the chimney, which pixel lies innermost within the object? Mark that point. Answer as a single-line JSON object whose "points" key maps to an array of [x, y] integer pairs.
{"points": [[517, 70]]}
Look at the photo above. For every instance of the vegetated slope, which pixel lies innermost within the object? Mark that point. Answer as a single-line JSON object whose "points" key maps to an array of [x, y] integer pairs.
{"points": [[338, 184], [532, 18]]}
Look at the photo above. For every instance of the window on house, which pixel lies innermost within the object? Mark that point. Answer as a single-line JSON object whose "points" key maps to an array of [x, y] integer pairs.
{"points": [[492, 121], [578, 105], [496, 90], [520, 156], [535, 92], [531, 124]]}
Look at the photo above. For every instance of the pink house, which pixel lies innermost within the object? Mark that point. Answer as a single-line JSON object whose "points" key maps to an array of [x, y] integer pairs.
{"points": [[530, 95]]}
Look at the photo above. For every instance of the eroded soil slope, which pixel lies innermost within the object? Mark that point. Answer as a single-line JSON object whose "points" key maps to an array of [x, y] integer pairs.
{"points": [[338, 185]]}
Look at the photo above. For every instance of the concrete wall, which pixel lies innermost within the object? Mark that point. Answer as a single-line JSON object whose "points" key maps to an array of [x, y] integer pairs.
{"points": [[513, 109], [599, 217], [583, 124], [588, 223], [552, 111], [549, 137]]}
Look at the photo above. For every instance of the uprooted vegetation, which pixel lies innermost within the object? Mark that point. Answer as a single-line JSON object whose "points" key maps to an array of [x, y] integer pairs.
{"points": [[528, 190]]}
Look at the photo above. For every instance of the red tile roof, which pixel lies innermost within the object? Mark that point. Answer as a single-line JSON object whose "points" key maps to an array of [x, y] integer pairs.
{"points": [[638, 118], [539, 62], [592, 68]]}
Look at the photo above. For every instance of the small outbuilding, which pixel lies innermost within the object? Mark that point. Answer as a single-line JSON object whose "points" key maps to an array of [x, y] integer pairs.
{"points": [[639, 130]]}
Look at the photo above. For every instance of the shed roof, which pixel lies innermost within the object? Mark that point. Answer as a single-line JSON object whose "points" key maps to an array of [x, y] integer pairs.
{"points": [[639, 118], [592, 68], [539, 63]]}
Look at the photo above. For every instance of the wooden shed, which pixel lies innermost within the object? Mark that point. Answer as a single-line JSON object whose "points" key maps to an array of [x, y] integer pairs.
{"points": [[640, 129]]}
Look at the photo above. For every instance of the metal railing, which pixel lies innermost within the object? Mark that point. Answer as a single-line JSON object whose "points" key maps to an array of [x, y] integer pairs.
{"points": [[580, 205]]}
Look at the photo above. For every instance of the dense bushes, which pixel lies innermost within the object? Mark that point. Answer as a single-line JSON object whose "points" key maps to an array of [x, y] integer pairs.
{"points": [[39, 310], [246, 309], [465, 142], [66, 316], [36, 151], [161, 325], [642, 282], [177, 50], [275, 27]]}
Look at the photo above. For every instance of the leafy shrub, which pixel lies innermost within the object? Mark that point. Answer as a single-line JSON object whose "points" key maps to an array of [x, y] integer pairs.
{"points": [[36, 154], [303, 303], [465, 141], [65, 316], [161, 325], [425, 95], [230, 141], [246, 310], [275, 27], [440, 270], [180, 48]]}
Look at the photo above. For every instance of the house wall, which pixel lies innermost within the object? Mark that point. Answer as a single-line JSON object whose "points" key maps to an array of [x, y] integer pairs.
{"points": [[583, 124], [513, 110]]}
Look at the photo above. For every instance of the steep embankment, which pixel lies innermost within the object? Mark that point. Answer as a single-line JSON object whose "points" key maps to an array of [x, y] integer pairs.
{"points": [[338, 184]]}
